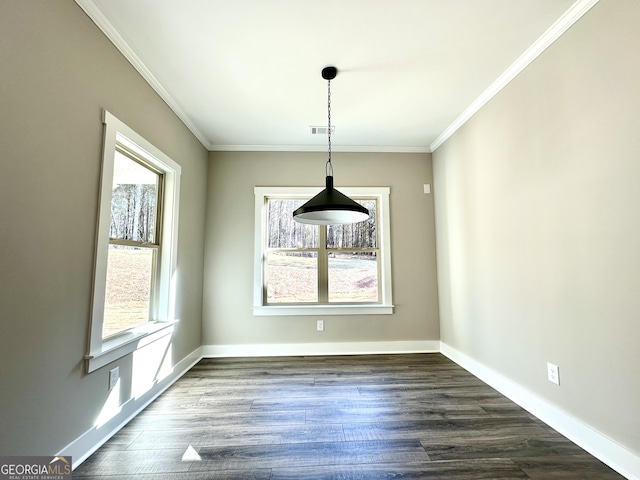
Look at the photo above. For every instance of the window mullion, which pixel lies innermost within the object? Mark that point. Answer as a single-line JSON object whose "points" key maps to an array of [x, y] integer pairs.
{"points": [[323, 265]]}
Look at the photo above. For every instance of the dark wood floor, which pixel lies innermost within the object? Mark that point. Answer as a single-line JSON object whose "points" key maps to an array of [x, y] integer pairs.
{"points": [[353, 417]]}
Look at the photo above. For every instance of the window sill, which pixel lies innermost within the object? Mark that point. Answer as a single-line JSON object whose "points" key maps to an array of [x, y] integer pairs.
{"points": [[118, 347], [269, 311]]}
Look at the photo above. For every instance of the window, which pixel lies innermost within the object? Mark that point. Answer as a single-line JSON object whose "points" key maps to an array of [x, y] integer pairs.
{"points": [[136, 246], [316, 269]]}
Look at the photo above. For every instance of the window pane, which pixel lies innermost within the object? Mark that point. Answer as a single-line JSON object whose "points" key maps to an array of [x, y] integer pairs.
{"points": [[292, 277], [283, 231], [353, 277], [355, 235], [134, 201], [128, 293]]}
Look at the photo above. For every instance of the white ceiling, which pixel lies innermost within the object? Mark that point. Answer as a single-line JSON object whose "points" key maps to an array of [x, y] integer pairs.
{"points": [[245, 74]]}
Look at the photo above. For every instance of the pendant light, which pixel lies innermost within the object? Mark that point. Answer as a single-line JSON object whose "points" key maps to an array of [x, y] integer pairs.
{"points": [[330, 206]]}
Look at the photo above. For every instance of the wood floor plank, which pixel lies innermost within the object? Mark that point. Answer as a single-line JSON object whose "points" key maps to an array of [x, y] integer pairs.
{"points": [[237, 435], [390, 414], [449, 393], [498, 445], [247, 391], [211, 403], [502, 469], [310, 454], [337, 417], [452, 428], [416, 403], [184, 419]]}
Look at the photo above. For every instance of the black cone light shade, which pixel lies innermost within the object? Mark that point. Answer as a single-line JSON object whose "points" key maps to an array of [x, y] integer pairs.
{"points": [[330, 207]]}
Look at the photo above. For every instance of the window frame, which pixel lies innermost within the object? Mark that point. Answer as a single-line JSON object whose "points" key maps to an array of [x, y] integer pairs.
{"points": [[385, 306], [101, 351]]}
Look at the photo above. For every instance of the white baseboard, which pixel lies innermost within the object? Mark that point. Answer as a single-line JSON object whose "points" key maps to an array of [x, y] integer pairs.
{"points": [[314, 349], [600, 446], [95, 437]]}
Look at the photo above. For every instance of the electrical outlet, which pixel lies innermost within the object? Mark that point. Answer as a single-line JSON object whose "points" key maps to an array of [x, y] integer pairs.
{"points": [[553, 373], [114, 376], [320, 325]]}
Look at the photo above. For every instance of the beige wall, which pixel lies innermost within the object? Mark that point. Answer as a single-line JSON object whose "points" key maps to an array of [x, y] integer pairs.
{"points": [[227, 313], [538, 231], [58, 72]]}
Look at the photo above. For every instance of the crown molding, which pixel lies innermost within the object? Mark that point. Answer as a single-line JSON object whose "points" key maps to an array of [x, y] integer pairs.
{"points": [[319, 148], [571, 16], [95, 14]]}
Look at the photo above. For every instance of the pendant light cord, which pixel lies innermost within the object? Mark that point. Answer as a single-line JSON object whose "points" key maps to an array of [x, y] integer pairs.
{"points": [[329, 165]]}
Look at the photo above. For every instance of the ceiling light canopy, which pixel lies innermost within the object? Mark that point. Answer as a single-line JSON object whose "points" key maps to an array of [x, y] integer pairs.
{"points": [[330, 206]]}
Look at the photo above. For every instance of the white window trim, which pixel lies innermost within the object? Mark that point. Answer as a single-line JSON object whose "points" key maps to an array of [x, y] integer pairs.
{"points": [[384, 225], [102, 352]]}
